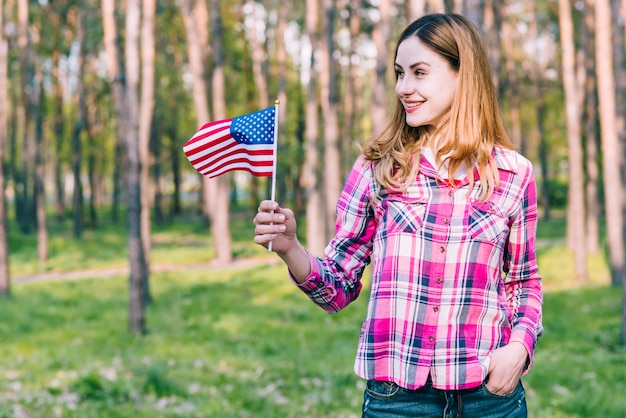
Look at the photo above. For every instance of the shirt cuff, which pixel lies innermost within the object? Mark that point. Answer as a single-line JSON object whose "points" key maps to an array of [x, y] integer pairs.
{"points": [[314, 279], [528, 341]]}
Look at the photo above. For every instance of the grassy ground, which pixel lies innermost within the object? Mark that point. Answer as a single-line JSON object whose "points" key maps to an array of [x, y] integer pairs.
{"points": [[246, 343]]}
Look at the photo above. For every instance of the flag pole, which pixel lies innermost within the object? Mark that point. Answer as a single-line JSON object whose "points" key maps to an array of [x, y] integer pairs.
{"points": [[273, 193]]}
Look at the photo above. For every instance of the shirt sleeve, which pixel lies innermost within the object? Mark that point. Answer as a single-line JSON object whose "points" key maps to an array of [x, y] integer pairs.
{"points": [[522, 280], [335, 280]]}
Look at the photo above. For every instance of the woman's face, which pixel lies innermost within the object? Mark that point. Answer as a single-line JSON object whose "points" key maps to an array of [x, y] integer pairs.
{"points": [[425, 84]]}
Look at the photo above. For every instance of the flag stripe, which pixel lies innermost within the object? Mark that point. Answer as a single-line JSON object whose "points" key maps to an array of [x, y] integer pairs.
{"points": [[226, 148], [215, 161], [208, 133]]}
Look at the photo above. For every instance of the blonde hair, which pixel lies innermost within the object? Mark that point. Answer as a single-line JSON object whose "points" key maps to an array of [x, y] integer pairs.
{"points": [[475, 123]]}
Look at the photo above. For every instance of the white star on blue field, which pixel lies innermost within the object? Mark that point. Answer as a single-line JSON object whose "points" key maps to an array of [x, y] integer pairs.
{"points": [[254, 129]]}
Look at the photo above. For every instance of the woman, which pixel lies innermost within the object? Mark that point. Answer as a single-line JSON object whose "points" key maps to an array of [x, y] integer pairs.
{"points": [[446, 211]]}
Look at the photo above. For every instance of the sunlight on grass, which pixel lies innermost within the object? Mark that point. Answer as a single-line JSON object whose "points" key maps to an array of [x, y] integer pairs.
{"points": [[245, 342]]}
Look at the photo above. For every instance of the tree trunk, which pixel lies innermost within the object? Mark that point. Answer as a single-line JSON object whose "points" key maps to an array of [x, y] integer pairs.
{"points": [[139, 270], [510, 83], [78, 129], [126, 112], [536, 76], [353, 97], [281, 76], [259, 57], [26, 111], [219, 188], [576, 191], [381, 38], [5, 278], [309, 179], [330, 110], [611, 148], [58, 118], [38, 183], [146, 111], [414, 9], [590, 120]]}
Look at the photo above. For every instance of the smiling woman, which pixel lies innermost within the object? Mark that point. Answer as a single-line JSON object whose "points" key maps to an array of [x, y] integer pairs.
{"points": [[446, 211], [426, 85]]}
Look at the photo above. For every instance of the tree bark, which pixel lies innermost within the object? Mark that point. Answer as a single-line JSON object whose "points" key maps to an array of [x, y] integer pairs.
{"points": [[309, 179], [330, 110], [611, 148], [125, 99], [38, 180], [5, 278], [218, 191], [576, 192], [26, 111], [590, 121], [381, 38], [146, 111], [79, 127]]}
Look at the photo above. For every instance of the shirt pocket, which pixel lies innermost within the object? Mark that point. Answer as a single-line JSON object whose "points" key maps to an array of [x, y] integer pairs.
{"points": [[405, 214], [486, 221]]}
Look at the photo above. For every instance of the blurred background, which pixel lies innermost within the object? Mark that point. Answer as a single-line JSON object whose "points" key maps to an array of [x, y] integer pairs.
{"points": [[97, 99]]}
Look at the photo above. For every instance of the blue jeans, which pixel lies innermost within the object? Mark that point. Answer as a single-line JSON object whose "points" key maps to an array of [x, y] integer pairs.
{"points": [[387, 400]]}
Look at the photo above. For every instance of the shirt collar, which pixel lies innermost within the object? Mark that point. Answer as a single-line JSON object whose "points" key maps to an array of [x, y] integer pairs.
{"points": [[506, 160]]}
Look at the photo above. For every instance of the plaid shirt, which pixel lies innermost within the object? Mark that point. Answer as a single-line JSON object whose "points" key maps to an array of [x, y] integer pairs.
{"points": [[453, 278]]}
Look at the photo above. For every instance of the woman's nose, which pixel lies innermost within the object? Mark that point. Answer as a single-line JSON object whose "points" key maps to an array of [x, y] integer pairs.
{"points": [[404, 86]]}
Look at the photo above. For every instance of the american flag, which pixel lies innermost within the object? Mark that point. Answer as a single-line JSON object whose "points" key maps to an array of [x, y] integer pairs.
{"points": [[241, 143]]}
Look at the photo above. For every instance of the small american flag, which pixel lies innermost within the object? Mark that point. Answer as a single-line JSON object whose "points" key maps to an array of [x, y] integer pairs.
{"points": [[241, 143]]}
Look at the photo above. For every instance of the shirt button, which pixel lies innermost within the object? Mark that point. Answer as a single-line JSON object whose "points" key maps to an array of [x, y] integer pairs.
{"points": [[446, 221], [431, 338], [450, 192], [436, 308], [442, 249], [439, 280]]}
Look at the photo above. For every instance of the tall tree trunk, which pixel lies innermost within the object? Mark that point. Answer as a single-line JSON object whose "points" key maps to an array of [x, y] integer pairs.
{"points": [[5, 278], [590, 120], [58, 118], [139, 270], [38, 173], [79, 128], [128, 131], [576, 191], [218, 189], [353, 97], [414, 9], [536, 77], [146, 111], [492, 18], [509, 86], [281, 76], [26, 111], [259, 57], [310, 174], [611, 148], [381, 38], [330, 111], [196, 57]]}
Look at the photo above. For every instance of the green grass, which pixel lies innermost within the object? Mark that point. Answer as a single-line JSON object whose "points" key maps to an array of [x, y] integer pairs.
{"points": [[246, 343]]}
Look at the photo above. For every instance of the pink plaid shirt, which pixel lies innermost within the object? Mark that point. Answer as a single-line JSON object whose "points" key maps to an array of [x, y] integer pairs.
{"points": [[453, 278]]}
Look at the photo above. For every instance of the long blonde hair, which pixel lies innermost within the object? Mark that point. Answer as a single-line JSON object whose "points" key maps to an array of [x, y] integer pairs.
{"points": [[475, 123]]}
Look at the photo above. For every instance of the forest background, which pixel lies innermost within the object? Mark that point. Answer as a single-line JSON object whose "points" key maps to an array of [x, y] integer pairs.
{"points": [[97, 99]]}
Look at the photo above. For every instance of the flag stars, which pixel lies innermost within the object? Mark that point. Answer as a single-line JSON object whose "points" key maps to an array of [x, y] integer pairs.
{"points": [[255, 128]]}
